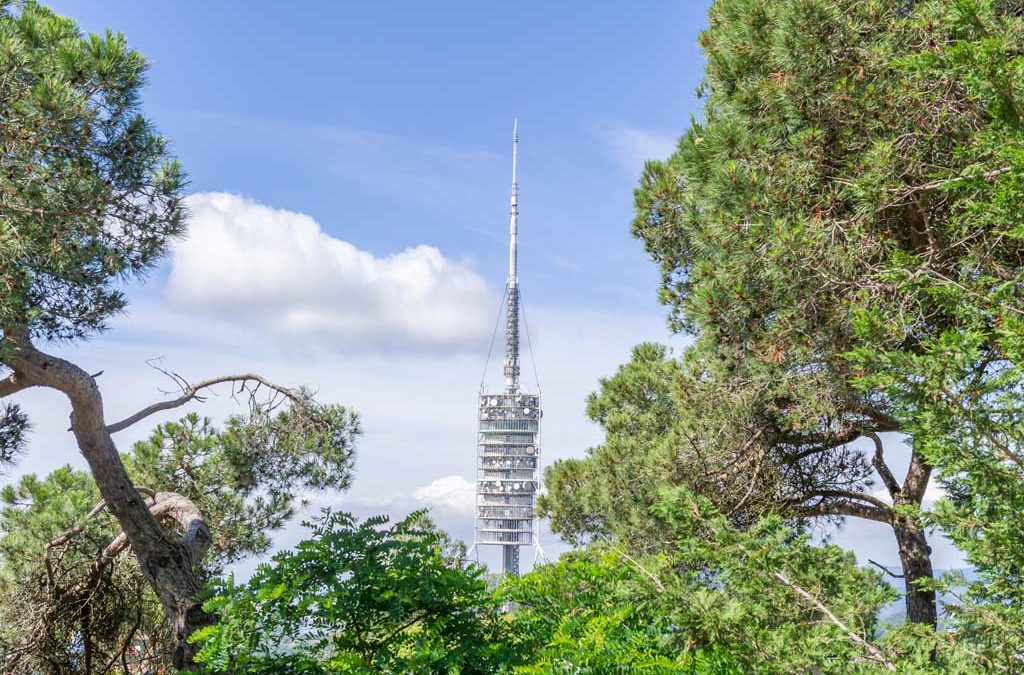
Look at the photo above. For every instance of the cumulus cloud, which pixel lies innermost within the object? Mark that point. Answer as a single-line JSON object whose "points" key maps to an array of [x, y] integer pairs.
{"points": [[452, 493], [277, 270]]}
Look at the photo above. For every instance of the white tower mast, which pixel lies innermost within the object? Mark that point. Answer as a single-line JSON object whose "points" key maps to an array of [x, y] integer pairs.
{"points": [[508, 452], [512, 308]]}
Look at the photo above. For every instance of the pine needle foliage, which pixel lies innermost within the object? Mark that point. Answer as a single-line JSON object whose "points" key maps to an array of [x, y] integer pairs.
{"points": [[90, 193], [841, 233]]}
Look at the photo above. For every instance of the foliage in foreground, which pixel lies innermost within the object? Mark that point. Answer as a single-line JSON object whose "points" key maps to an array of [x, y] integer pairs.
{"points": [[368, 597], [375, 597], [71, 602]]}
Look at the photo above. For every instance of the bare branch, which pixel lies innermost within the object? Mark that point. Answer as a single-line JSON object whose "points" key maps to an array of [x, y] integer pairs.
{"points": [[890, 482], [883, 422], [857, 496], [818, 442], [936, 184], [868, 647], [126, 646], [753, 480], [845, 508], [646, 572], [163, 506], [981, 297], [192, 391], [815, 443], [100, 507], [886, 570]]}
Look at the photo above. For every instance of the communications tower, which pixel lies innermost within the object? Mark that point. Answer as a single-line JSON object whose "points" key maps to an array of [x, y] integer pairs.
{"points": [[508, 431]]}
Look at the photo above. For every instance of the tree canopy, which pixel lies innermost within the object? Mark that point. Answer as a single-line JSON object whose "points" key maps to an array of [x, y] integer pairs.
{"points": [[375, 597], [90, 193], [837, 219], [370, 597]]}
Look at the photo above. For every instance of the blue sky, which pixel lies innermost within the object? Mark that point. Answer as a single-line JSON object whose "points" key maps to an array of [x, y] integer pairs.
{"points": [[349, 166], [360, 249], [389, 122]]}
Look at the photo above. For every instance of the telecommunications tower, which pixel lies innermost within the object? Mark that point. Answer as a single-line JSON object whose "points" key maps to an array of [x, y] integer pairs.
{"points": [[508, 431]]}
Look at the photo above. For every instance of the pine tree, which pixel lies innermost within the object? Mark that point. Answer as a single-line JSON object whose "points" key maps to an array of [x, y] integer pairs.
{"points": [[840, 219], [90, 197]]}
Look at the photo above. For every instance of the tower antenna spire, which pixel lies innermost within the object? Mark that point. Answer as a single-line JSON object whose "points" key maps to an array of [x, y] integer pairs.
{"points": [[513, 271], [512, 306]]}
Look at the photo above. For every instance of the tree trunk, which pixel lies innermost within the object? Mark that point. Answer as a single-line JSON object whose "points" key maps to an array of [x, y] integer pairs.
{"points": [[167, 562], [915, 556], [188, 620]]}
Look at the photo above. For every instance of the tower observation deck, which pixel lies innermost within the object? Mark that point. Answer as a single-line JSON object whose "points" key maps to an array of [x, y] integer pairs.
{"points": [[508, 430]]}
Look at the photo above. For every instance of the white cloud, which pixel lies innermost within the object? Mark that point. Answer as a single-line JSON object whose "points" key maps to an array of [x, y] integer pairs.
{"points": [[453, 493], [633, 146], [932, 493], [277, 271]]}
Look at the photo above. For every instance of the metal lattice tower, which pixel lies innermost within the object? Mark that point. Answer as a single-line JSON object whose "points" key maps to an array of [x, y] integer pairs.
{"points": [[508, 438]]}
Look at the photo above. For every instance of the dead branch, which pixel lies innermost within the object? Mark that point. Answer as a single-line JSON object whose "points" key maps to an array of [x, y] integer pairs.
{"points": [[846, 508], [174, 507], [753, 481], [856, 496], [163, 506], [100, 507], [190, 392], [886, 570], [641, 568], [868, 647], [936, 184]]}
